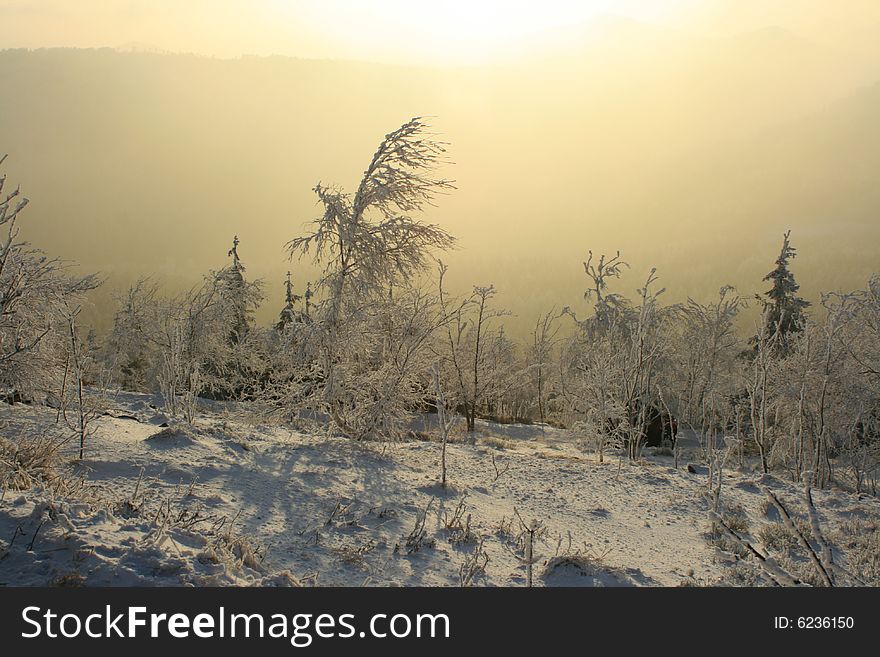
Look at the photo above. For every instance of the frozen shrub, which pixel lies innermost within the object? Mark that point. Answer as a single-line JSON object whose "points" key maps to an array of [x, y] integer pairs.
{"points": [[776, 537], [27, 461]]}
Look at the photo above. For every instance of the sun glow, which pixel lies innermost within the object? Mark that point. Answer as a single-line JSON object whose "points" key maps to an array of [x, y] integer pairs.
{"points": [[397, 31], [460, 31]]}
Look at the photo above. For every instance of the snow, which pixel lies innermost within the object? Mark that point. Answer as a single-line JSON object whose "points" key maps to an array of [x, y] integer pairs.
{"points": [[236, 501]]}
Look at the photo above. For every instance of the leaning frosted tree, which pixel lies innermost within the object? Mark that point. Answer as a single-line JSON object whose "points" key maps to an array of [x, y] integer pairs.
{"points": [[361, 361]]}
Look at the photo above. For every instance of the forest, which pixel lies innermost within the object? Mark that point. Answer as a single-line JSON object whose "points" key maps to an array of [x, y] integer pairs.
{"points": [[377, 352]]}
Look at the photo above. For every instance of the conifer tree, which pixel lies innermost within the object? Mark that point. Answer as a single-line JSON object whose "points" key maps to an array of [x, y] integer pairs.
{"points": [[235, 294], [784, 308], [289, 313]]}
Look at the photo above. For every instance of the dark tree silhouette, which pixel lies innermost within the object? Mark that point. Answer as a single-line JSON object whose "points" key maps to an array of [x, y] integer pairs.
{"points": [[784, 308]]}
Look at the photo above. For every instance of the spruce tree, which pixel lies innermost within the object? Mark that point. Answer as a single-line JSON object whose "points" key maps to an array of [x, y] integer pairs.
{"points": [[289, 313], [235, 293], [784, 308], [232, 363]]}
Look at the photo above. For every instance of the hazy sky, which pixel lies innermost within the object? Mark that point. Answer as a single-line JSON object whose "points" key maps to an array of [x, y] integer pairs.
{"points": [[685, 134], [461, 31]]}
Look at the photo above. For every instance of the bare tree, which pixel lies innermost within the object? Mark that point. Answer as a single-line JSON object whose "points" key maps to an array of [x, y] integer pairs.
{"points": [[705, 362], [760, 388], [857, 376], [444, 418], [615, 360], [473, 357], [544, 339], [80, 408], [606, 305]]}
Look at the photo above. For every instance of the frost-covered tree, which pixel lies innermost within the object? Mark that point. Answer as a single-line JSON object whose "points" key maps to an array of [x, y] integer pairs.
{"points": [[760, 387], [860, 450], [612, 365], [237, 366], [34, 293], [540, 360], [785, 309], [477, 361], [201, 342], [702, 381], [826, 401], [607, 306], [289, 312], [381, 369], [237, 296], [130, 352], [368, 244], [78, 407], [862, 338]]}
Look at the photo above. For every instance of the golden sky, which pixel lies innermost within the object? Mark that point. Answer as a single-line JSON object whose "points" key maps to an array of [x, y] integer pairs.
{"points": [[690, 134], [460, 31]]}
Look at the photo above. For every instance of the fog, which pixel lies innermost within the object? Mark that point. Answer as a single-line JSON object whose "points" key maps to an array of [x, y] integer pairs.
{"points": [[689, 143]]}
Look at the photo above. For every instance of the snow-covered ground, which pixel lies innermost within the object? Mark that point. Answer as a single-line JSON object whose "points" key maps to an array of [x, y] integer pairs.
{"points": [[233, 502]]}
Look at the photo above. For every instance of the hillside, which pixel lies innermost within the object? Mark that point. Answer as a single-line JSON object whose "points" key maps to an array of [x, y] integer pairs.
{"points": [[233, 500]]}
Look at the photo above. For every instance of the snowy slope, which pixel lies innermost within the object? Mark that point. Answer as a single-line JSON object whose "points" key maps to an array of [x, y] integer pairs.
{"points": [[234, 502]]}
